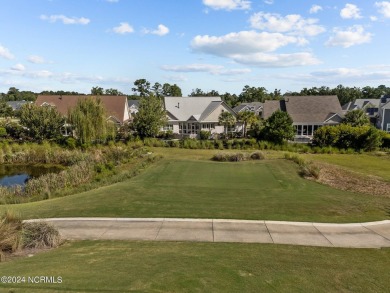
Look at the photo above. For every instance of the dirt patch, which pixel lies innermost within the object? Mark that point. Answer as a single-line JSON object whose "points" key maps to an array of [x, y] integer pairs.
{"points": [[343, 179]]}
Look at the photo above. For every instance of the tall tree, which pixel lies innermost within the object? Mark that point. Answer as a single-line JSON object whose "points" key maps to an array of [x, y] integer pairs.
{"points": [[247, 118], [227, 120], [169, 90], [253, 94], [97, 91], [279, 127], [89, 121], [151, 116], [41, 122], [231, 100], [356, 118], [113, 92], [141, 87]]}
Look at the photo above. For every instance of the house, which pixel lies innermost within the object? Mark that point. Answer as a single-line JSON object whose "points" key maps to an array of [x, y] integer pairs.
{"points": [[307, 112], [369, 106], [383, 121], [16, 105], [116, 106], [133, 106], [187, 116], [255, 107]]}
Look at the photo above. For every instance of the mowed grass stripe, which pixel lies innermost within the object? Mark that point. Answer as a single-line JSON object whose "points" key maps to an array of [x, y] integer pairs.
{"points": [[265, 190], [105, 266]]}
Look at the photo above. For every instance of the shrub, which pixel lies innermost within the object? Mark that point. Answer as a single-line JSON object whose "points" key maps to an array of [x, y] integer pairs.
{"points": [[204, 134], [40, 235], [3, 132], [309, 170], [257, 156]]}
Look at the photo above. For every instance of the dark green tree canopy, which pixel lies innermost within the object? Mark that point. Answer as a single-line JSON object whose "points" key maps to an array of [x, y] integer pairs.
{"points": [[279, 127], [142, 87], [41, 122]]}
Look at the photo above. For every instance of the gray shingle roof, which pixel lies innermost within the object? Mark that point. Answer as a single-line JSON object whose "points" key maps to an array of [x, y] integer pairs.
{"points": [[184, 107], [133, 102], [305, 109]]}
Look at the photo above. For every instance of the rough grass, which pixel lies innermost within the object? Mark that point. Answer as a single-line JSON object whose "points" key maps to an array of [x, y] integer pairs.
{"points": [[105, 266]]}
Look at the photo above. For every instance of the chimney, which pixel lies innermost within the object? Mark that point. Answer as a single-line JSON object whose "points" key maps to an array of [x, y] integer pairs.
{"points": [[178, 105]]}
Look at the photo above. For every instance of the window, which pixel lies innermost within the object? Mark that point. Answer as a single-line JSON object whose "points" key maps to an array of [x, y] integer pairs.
{"points": [[168, 127], [388, 127], [372, 111]]}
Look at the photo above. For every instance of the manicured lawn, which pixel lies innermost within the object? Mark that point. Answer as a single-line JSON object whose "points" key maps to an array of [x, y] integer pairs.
{"points": [[362, 163], [202, 267], [265, 190]]}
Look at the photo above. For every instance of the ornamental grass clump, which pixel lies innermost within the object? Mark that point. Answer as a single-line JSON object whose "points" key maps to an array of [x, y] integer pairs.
{"points": [[10, 233], [40, 235]]}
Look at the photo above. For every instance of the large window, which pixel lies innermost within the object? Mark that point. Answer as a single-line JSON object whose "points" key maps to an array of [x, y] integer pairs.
{"points": [[388, 127], [168, 127]]}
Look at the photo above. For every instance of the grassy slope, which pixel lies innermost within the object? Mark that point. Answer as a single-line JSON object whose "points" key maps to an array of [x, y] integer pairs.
{"points": [[269, 190], [365, 163], [202, 267]]}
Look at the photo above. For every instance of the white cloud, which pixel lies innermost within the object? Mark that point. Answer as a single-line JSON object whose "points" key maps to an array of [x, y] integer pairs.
{"points": [[315, 9], [36, 59], [228, 4], [65, 19], [210, 68], [354, 35], [373, 18], [292, 23], [342, 75], [123, 28], [276, 60], [18, 67], [384, 8], [161, 30], [253, 48], [243, 42], [5, 53], [350, 11], [269, 2]]}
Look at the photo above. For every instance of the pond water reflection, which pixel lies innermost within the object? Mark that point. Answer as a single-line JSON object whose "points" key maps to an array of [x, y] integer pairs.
{"points": [[11, 175]]}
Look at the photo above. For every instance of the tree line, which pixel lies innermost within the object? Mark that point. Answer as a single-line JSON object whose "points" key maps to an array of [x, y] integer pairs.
{"points": [[143, 88]]}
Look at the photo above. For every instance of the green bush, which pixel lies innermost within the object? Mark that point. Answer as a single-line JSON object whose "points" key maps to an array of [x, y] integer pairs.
{"points": [[10, 233], [345, 136], [3, 132], [204, 134]]}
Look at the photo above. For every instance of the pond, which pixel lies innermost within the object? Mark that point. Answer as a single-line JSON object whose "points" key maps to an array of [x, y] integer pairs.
{"points": [[11, 175]]}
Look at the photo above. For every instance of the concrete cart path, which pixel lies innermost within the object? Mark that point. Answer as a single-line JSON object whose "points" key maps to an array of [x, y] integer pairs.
{"points": [[358, 235]]}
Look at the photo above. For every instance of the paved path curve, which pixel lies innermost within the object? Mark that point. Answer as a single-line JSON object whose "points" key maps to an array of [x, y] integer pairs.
{"points": [[358, 235]]}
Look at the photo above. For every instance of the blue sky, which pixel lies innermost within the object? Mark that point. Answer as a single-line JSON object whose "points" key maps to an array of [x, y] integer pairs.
{"points": [[218, 45]]}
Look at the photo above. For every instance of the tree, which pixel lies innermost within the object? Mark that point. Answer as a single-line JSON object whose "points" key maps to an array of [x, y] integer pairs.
{"points": [[253, 94], [158, 89], [227, 120], [150, 118], [97, 91], [279, 127], [113, 92], [89, 121], [171, 90], [248, 118], [231, 100], [41, 122], [356, 118], [5, 110], [142, 87]]}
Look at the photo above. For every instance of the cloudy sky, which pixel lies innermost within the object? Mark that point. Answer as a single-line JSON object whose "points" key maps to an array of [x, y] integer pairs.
{"points": [[210, 44]]}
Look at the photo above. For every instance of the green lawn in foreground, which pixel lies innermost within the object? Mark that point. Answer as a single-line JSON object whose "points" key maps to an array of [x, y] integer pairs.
{"points": [[105, 266], [266, 190]]}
